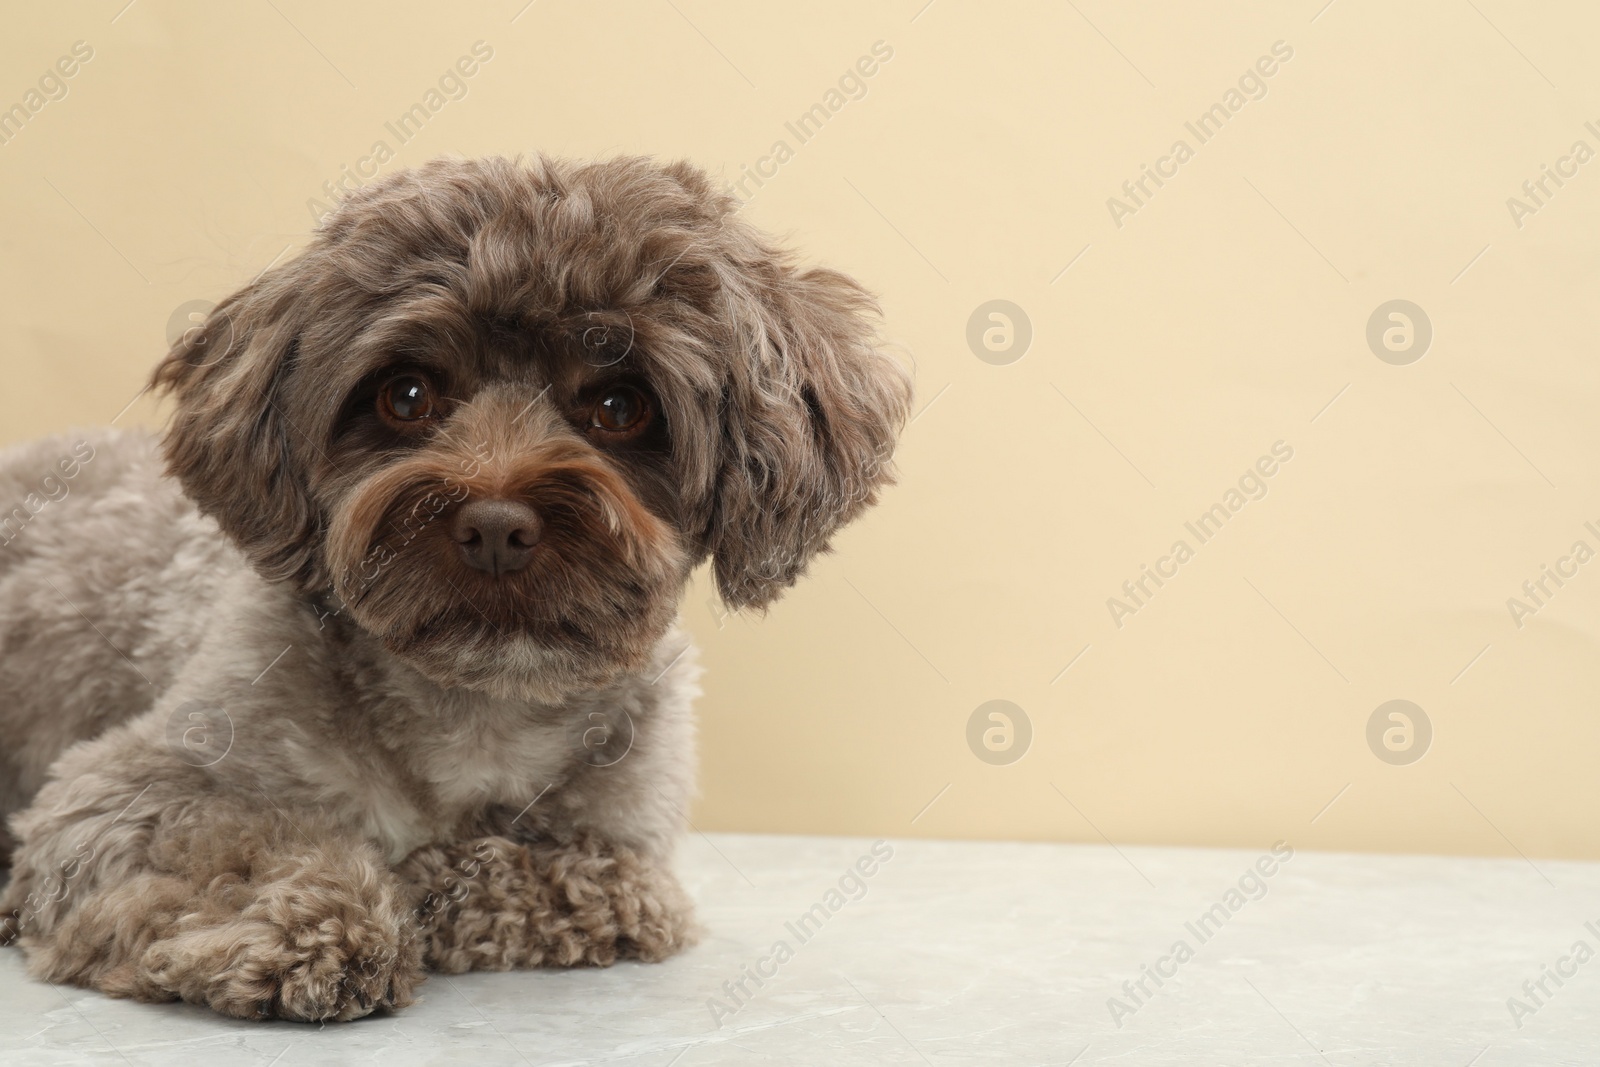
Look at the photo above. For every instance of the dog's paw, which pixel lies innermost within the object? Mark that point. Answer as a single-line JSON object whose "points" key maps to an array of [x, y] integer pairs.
{"points": [[494, 904], [611, 904], [306, 949]]}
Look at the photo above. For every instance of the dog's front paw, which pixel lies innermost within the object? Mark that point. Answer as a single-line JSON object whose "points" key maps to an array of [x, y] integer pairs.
{"points": [[494, 904], [305, 948], [611, 904]]}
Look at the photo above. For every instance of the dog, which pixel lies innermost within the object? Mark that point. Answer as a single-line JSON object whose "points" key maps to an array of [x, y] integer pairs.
{"points": [[371, 665]]}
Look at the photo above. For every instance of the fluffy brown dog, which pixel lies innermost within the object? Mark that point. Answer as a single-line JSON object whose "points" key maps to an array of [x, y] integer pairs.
{"points": [[384, 675]]}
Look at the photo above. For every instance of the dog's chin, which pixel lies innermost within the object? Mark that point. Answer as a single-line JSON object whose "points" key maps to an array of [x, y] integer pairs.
{"points": [[521, 665], [516, 668]]}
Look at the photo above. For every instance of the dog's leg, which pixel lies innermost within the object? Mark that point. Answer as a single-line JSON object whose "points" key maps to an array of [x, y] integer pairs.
{"points": [[255, 911], [492, 903]]}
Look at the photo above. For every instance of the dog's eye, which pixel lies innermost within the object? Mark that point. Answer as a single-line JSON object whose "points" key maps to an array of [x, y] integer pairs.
{"points": [[621, 412], [406, 400]]}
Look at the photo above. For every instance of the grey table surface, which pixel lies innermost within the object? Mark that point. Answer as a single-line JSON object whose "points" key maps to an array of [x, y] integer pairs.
{"points": [[1000, 953]]}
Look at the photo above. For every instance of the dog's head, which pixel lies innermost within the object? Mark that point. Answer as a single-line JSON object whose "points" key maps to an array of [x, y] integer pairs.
{"points": [[501, 410]]}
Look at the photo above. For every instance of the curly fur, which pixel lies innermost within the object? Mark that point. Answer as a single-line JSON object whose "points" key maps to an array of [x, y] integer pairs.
{"points": [[274, 745], [496, 904]]}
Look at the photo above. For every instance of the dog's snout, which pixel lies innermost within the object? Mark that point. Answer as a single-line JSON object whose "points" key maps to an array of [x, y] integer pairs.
{"points": [[496, 536]]}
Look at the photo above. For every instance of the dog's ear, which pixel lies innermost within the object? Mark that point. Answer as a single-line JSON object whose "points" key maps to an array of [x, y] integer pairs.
{"points": [[812, 409], [229, 442]]}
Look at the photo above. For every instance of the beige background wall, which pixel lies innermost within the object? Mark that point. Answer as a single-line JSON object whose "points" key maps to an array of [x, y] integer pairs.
{"points": [[1226, 313]]}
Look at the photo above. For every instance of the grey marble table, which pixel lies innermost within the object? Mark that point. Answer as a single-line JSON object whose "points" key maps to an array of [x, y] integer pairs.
{"points": [[821, 953]]}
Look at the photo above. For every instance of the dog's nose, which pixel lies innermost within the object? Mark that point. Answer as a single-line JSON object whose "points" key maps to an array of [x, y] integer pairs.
{"points": [[496, 536]]}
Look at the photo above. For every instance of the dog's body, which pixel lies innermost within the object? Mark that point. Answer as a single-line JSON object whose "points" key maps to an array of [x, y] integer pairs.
{"points": [[386, 673], [189, 623]]}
